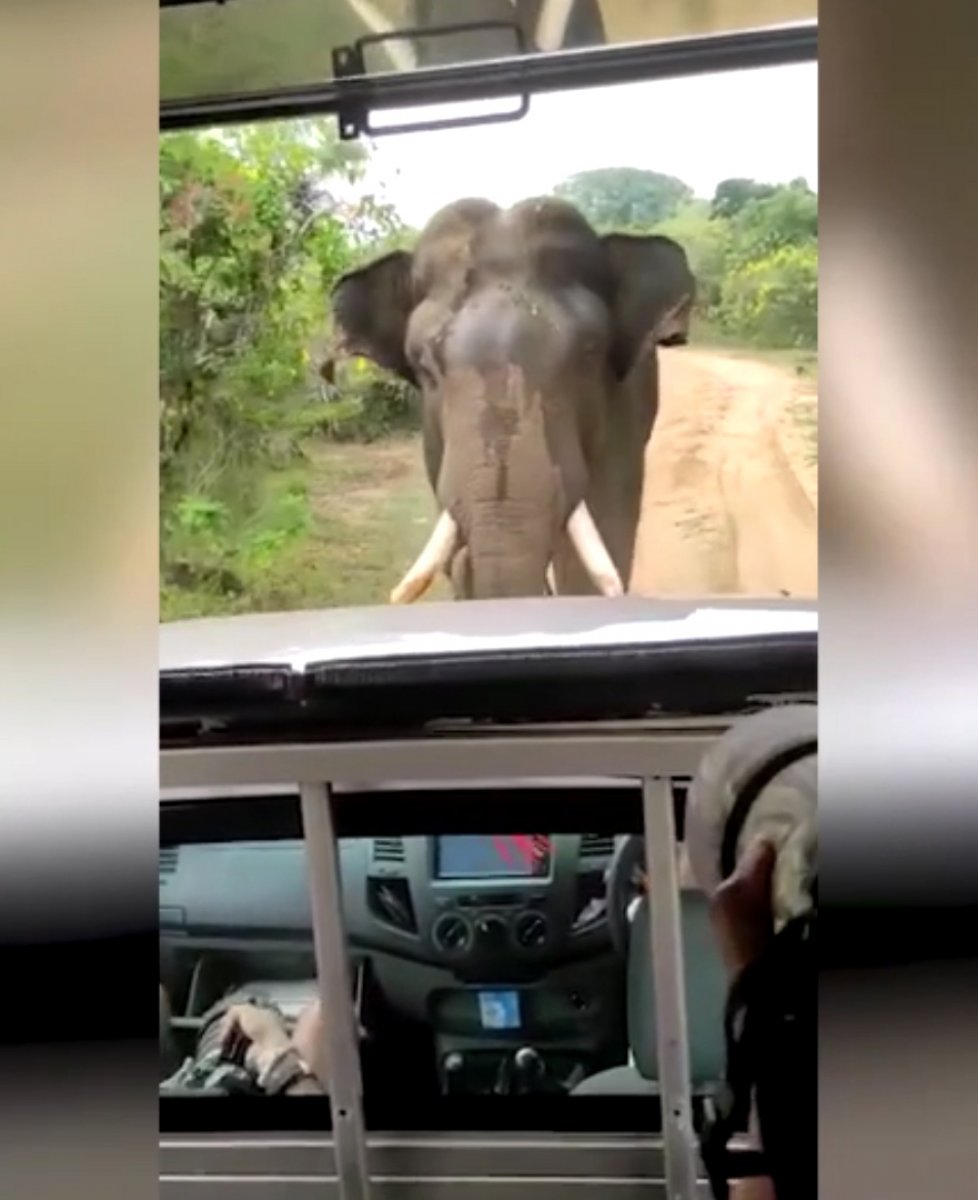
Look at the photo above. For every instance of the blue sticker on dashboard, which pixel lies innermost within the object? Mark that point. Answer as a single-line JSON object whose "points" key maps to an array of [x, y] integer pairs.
{"points": [[499, 1010]]}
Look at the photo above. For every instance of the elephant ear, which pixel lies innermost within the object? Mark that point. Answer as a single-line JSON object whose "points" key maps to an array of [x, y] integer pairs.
{"points": [[654, 290], [371, 308]]}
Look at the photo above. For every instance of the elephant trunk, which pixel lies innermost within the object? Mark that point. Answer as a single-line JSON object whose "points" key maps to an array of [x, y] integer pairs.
{"points": [[509, 546], [491, 566], [510, 483]]}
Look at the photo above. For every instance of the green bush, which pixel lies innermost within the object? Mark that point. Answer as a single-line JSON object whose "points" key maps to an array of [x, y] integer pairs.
{"points": [[366, 404], [250, 244], [786, 217], [773, 301], [754, 252]]}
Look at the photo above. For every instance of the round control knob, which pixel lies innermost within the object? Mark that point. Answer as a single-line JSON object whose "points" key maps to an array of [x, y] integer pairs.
{"points": [[528, 1060], [492, 932], [531, 930], [453, 1063], [452, 934]]}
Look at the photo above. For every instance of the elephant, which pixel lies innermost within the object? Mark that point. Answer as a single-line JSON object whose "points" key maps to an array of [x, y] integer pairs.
{"points": [[533, 341]]}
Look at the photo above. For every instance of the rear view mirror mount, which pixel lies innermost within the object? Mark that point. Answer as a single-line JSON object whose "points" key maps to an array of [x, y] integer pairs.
{"points": [[353, 114]]}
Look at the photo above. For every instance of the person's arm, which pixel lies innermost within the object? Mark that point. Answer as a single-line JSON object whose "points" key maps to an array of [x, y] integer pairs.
{"points": [[282, 1071], [278, 1063], [741, 914], [309, 1086]]}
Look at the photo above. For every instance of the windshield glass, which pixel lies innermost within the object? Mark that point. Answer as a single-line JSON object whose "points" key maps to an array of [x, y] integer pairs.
{"points": [[598, 377], [243, 46]]}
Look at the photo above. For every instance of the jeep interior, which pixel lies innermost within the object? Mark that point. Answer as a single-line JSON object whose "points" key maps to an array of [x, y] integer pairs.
{"points": [[506, 933]]}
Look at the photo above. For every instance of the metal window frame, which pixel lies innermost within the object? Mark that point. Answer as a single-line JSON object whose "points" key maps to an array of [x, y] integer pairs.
{"points": [[564, 70], [653, 754]]}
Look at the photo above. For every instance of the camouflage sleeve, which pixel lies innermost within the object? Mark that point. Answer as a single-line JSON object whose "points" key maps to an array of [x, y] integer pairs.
{"points": [[209, 1075]]}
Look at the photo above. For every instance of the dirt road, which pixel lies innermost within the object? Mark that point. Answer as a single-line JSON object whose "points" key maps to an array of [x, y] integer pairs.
{"points": [[730, 503]]}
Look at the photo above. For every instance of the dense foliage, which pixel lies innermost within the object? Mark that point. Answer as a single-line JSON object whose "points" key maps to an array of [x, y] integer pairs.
{"points": [[254, 230], [753, 247]]}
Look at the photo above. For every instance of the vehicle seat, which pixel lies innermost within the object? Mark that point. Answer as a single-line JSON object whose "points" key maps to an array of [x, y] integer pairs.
{"points": [[706, 990]]}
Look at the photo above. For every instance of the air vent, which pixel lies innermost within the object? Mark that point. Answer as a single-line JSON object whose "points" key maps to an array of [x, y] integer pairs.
{"points": [[388, 850], [389, 900], [597, 845], [168, 860]]}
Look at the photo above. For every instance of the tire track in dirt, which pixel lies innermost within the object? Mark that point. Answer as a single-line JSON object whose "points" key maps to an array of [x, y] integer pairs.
{"points": [[730, 503]]}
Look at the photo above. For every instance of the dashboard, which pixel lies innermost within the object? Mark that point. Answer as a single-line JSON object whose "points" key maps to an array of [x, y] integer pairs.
{"points": [[482, 907]]}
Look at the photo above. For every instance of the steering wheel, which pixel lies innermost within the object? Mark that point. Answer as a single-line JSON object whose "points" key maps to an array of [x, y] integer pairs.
{"points": [[626, 880]]}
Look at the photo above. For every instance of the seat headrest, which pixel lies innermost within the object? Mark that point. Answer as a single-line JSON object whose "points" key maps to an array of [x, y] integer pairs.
{"points": [[706, 992]]}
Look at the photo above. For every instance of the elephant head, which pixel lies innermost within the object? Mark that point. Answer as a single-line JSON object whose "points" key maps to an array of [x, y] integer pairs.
{"points": [[533, 342]]}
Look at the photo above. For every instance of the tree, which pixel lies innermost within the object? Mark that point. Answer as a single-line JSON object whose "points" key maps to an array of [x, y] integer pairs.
{"points": [[624, 198], [734, 194], [245, 252], [252, 237], [786, 217]]}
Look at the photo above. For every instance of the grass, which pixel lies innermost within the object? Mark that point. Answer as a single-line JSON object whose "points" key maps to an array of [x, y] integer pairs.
{"points": [[372, 512], [368, 512]]}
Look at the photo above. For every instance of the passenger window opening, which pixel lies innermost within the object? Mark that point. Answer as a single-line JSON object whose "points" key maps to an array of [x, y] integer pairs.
{"points": [[485, 966]]}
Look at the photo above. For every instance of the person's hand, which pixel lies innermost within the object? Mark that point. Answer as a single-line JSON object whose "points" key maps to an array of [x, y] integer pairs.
{"points": [[741, 908], [309, 1038], [260, 1032]]}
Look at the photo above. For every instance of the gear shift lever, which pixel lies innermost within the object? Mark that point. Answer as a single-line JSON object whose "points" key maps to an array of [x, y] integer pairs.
{"points": [[529, 1071], [453, 1065], [531, 1075], [525, 1074]]}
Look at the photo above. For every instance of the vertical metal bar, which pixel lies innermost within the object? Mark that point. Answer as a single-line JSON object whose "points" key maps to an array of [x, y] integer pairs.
{"points": [[335, 993], [668, 973]]}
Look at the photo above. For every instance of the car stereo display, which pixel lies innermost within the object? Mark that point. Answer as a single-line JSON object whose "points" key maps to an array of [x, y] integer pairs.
{"points": [[481, 856], [499, 1011]]}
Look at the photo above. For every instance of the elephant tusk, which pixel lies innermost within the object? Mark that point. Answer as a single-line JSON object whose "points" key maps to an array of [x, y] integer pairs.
{"points": [[593, 553], [437, 552]]}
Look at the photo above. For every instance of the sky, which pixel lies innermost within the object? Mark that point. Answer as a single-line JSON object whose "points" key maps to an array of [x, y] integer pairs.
{"points": [[760, 124]]}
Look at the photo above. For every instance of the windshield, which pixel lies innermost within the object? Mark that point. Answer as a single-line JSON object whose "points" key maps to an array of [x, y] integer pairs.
{"points": [[617, 393], [254, 45]]}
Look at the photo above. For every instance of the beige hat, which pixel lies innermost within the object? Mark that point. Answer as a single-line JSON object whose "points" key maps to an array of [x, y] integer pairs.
{"points": [[780, 742]]}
